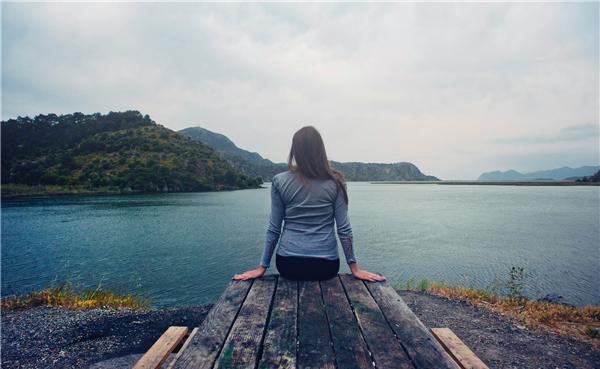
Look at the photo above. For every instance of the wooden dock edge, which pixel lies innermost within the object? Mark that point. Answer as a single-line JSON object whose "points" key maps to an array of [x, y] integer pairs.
{"points": [[183, 347], [457, 349], [162, 348]]}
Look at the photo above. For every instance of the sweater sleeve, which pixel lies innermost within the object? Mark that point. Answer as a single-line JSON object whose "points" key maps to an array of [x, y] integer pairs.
{"points": [[344, 230], [275, 222]]}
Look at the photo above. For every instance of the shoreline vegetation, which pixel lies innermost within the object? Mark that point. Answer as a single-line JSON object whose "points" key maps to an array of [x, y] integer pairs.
{"points": [[124, 152], [16, 191], [10, 191], [117, 338], [580, 323], [22, 191], [67, 296]]}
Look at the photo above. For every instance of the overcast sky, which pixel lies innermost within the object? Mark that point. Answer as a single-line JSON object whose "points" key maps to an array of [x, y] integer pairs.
{"points": [[457, 89]]}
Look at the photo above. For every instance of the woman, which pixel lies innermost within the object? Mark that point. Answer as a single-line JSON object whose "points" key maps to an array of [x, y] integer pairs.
{"points": [[309, 197]]}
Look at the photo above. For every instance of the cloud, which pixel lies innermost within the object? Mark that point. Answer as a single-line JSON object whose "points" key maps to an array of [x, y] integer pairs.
{"points": [[581, 132], [428, 83]]}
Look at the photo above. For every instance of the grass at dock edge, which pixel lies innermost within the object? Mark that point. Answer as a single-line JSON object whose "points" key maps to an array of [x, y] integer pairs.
{"points": [[582, 323], [66, 296]]}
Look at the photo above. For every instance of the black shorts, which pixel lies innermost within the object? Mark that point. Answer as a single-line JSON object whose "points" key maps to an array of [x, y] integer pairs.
{"points": [[301, 268]]}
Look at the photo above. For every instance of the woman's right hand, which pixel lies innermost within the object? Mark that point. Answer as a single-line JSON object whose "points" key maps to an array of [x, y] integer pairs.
{"points": [[365, 275], [251, 274]]}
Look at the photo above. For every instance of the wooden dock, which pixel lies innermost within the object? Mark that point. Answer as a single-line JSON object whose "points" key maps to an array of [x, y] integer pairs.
{"points": [[343, 323]]}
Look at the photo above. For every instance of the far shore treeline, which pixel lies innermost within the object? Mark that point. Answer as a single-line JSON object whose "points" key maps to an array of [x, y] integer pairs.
{"points": [[127, 152], [116, 152]]}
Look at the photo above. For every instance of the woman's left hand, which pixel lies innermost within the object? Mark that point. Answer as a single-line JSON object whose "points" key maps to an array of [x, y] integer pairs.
{"points": [[365, 275], [251, 274]]}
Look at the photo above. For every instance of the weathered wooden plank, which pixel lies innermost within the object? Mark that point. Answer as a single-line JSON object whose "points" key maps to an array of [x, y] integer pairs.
{"points": [[421, 346], [385, 348], [279, 347], [348, 344], [159, 352], [314, 341], [241, 349], [457, 349], [204, 347], [183, 347]]}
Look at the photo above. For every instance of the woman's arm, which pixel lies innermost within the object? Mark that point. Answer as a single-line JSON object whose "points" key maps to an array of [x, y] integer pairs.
{"points": [[344, 231], [365, 275], [273, 233], [274, 228]]}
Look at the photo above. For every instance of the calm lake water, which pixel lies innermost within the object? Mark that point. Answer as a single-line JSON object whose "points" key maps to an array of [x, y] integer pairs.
{"points": [[182, 249]]}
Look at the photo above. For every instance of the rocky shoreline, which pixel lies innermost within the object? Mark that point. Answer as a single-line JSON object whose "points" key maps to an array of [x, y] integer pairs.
{"points": [[45, 337], [50, 338], [501, 342]]}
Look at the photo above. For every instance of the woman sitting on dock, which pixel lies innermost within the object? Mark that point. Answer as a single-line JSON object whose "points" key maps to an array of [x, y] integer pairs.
{"points": [[307, 199]]}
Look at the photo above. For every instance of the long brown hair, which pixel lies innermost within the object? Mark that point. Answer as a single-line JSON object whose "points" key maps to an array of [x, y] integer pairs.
{"points": [[308, 152]]}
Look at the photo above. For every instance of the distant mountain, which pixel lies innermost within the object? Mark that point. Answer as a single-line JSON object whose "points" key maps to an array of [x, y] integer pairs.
{"points": [[551, 174], [251, 163], [223, 144], [593, 178], [124, 151], [402, 171]]}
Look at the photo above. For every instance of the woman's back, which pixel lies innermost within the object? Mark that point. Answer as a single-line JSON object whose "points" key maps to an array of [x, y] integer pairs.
{"points": [[309, 210], [307, 205], [311, 201], [309, 216]]}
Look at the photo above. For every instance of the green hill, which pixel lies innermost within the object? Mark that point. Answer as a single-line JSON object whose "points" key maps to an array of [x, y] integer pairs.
{"points": [[252, 164], [116, 152], [402, 171]]}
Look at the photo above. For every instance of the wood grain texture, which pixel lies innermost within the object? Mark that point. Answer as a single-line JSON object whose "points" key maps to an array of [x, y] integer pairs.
{"points": [[279, 347], [457, 349], [242, 346], [419, 343], [187, 342], [314, 341], [348, 343], [206, 344], [385, 348], [162, 348]]}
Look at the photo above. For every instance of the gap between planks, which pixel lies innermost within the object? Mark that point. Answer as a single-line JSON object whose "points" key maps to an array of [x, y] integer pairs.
{"points": [[207, 345], [361, 338]]}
